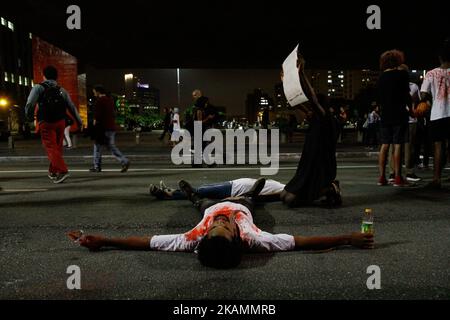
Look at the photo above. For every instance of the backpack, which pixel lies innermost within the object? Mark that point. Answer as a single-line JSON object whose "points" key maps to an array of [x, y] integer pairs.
{"points": [[52, 105]]}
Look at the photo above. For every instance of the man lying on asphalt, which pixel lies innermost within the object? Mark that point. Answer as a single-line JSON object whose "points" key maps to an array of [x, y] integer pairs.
{"points": [[220, 190], [225, 232]]}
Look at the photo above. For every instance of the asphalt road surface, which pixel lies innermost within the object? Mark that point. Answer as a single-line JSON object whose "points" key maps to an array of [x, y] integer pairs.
{"points": [[411, 227]]}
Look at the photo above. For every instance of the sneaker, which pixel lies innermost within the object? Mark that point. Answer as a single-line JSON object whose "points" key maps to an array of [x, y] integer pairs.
{"points": [[52, 176], [125, 167], [186, 188], [391, 178], [165, 188], [412, 178], [400, 182], [382, 181], [255, 189], [94, 169], [152, 189], [157, 192], [61, 177], [190, 194]]}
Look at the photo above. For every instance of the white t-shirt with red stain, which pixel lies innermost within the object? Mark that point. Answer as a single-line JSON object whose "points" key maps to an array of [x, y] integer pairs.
{"points": [[253, 239], [437, 82]]}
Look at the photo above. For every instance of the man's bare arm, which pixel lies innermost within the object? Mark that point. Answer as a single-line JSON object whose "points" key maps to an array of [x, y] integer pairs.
{"points": [[96, 242], [360, 240], [310, 93]]}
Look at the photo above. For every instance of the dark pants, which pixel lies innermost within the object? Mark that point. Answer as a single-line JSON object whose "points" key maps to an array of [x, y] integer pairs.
{"points": [[163, 134], [424, 142], [220, 190], [372, 132]]}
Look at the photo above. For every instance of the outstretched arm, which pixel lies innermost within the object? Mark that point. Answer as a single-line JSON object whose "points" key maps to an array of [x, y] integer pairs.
{"points": [[359, 240], [96, 242], [308, 89]]}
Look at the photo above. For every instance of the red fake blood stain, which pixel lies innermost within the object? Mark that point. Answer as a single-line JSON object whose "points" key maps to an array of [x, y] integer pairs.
{"points": [[201, 229], [442, 79]]}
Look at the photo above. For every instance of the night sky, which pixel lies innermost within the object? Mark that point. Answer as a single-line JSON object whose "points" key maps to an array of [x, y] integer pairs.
{"points": [[249, 35], [236, 34]]}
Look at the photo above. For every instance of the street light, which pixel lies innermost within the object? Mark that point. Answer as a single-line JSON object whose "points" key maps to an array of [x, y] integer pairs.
{"points": [[4, 102]]}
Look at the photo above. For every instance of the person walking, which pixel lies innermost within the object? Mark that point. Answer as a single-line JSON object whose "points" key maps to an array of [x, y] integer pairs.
{"points": [[53, 104], [67, 140], [167, 120], [372, 129], [105, 130], [342, 122], [176, 128]]}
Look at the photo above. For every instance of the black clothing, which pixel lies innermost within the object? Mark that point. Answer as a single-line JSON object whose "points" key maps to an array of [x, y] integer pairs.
{"points": [[317, 167], [394, 97]]}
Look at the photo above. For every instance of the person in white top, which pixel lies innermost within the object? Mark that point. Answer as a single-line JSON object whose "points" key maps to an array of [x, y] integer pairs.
{"points": [[220, 190], [176, 132], [437, 83], [225, 232]]}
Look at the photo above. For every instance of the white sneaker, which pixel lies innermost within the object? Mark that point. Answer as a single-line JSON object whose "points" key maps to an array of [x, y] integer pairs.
{"points": [[61, 177]]}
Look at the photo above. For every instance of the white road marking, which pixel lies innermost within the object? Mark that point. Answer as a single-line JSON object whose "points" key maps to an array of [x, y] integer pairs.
{"points": [[180, 169], [23, 190]]}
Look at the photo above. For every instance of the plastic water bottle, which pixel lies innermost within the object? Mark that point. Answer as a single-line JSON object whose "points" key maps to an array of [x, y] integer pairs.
{"points": [[367, 222]]}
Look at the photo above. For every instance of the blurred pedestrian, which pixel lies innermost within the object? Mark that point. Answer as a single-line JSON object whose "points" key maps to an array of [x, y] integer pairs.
{"points": [[342, 117], [68, 123], [373, 121], [189, 113], [265, 118], [176, 128], [167, 122], [105, 130]]}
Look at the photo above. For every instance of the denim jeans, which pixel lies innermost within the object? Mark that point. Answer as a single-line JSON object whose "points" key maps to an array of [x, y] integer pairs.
{"points": [[219, 190], [110, 137]]}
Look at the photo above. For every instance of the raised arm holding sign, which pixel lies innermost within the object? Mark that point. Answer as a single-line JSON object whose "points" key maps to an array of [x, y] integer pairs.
{"points": [[291, 80]]}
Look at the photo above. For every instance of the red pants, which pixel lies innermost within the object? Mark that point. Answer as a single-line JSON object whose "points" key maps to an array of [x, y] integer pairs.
{"points": [[52, 135]]}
